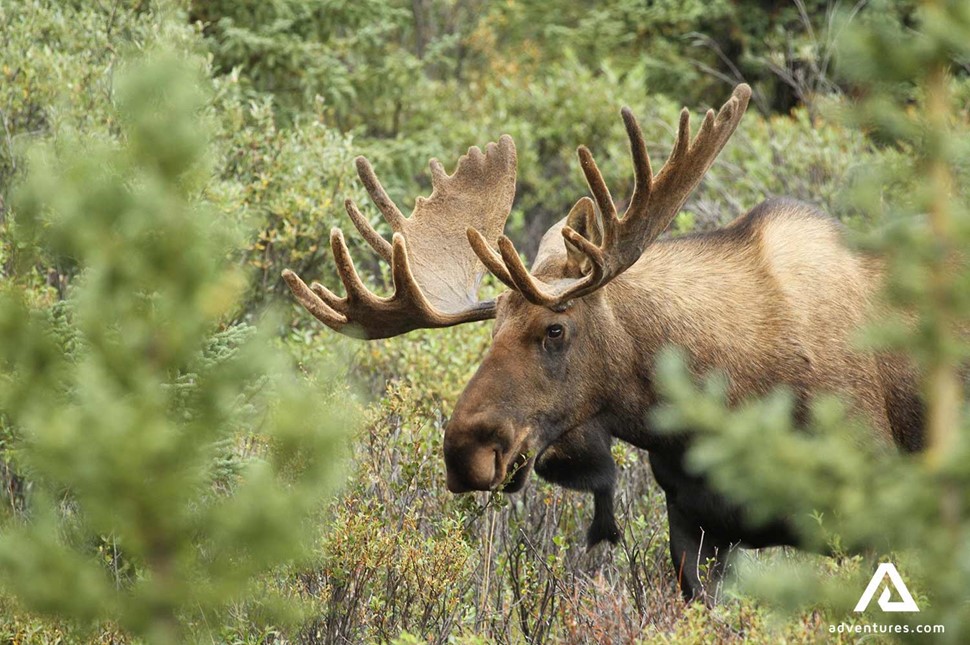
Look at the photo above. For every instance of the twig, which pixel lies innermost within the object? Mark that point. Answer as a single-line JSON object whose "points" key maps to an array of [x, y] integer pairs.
{"points": [[9, 142]]}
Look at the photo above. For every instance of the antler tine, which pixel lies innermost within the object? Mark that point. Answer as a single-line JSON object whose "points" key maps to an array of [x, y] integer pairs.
{"points": [[582, 215], [521, 278], [312, 303], [492, 260], [438, 174], [704, 135], [690, 159], [597, 186], [379, 196], [587, 248], [332, 300], [508, 267], [372, 237], [356, 290], [642, 177], [682, 142], [405, 285], [642, 172], [716, 130]]}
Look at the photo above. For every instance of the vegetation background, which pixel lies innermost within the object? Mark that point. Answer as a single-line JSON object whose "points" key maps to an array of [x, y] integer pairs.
{"points": [[171, 424]]}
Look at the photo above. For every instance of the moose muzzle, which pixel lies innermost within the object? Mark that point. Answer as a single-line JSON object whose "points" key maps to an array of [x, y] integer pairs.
{"points": [[482, 456], [472, 467]]}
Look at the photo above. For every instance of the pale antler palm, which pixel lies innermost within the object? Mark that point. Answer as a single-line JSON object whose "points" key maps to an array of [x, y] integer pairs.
{"points": [[436, 274], [621, 241]]}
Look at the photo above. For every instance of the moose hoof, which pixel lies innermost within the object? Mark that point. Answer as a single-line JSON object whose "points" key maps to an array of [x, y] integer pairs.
{"points": [[602, 530]]}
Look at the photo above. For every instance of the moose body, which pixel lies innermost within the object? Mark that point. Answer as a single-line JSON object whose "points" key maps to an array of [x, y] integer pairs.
{"points": [[770, 300]]}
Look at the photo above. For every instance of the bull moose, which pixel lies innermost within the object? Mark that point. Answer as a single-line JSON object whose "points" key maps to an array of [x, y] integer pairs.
{"points": [[770, 300]]}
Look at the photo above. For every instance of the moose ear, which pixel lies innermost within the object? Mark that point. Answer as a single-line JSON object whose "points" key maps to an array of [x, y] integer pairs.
{"points": [[582, 219]]}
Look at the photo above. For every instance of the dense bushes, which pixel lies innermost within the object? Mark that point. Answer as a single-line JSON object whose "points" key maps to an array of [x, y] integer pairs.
{"points": [[286, 186], [56, 71]]}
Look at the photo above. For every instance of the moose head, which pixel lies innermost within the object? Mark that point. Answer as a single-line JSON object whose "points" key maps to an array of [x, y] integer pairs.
{"points": [[560, 353]]}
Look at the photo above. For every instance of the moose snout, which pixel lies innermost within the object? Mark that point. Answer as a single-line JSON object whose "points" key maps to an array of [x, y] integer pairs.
{"points": [[476, 447], [471, 467]]}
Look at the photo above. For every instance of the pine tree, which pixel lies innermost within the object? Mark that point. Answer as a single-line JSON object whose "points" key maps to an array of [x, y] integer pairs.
{"points": [[172, 461]]}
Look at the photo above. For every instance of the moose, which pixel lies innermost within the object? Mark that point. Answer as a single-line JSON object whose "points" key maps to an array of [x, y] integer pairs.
{"points": [[769, 300]]}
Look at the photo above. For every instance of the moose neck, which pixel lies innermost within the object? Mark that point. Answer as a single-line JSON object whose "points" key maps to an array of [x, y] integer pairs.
{"points": [[697, 292]]}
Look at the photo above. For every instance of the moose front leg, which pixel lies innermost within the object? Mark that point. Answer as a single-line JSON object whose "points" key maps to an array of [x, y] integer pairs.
{"points": [[699, 558], [581, 460], [603, 527]]}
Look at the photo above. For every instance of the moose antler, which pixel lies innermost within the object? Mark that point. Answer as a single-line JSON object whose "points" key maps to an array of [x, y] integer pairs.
{"points": [[620, 242], [436, 274]]}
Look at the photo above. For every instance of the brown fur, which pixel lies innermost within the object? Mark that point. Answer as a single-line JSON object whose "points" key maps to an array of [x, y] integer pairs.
{"points": [[774, 298]]}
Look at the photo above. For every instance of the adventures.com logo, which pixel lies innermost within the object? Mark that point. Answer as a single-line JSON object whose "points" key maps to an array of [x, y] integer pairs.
{"points": [[887, 570], [888, 579]]}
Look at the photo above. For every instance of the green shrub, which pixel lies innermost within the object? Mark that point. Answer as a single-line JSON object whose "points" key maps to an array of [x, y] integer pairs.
{"points": [[56, 72], [169, 465], [346, 55], [285, 185]]}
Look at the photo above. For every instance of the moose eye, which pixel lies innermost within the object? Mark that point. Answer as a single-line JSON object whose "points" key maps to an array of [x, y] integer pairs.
{"points": [[554, 331]]}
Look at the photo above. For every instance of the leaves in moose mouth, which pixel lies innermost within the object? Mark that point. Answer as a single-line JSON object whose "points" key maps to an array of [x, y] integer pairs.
{"points": [[518, 473]]}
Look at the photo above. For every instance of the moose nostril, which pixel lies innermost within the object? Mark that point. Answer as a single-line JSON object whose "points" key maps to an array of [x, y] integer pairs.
{"points": [[498, 469], [471, 466], [455, 484]]}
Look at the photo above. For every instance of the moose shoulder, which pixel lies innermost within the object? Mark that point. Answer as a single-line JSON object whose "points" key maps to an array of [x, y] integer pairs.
{"points": [[770, 300]]}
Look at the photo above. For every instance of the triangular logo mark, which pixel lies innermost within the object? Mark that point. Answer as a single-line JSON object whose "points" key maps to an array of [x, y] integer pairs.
{"points": [[887, 569]]}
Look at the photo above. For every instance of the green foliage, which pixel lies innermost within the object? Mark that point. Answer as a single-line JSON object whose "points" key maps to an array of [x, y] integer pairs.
{"points": [[345, 54], [843, 492], [56, 71], [169, 464], [286, 186]]}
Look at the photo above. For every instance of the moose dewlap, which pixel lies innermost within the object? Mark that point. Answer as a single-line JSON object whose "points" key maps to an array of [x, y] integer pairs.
{"points": [[770, 299]]}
